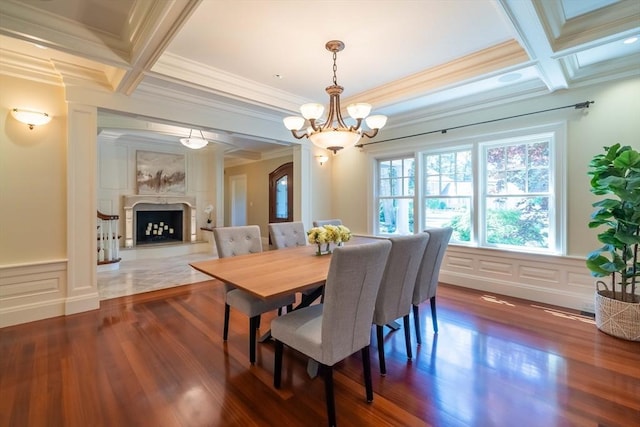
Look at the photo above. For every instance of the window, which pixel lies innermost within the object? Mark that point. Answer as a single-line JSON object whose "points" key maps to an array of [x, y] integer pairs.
{"points": [[517, 193], [448, 192], [396, 189], [502, 193]]}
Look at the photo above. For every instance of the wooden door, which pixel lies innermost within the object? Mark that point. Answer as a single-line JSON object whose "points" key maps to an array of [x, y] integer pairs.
{"points": [[281, 194]]}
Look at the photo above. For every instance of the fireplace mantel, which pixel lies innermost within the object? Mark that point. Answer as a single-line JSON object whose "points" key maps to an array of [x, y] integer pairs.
{"points": [[189, 203], [131, 201]]}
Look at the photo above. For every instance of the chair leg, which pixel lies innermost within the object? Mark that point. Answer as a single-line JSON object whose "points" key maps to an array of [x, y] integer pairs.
{"points": [[407, 336], [416, 322], [253, 327], [366, 368], [434, 317], [383, 364], [258, 323], [277, 364], [327, 372], [225, 330], [289, 308], [280, 311]]}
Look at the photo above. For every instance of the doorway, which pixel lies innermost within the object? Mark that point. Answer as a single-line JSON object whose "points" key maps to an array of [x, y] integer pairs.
{"points": [[238, 184], [281, 194]]}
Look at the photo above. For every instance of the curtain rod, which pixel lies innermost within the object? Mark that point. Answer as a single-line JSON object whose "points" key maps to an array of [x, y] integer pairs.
{"points": [[578, 106]]}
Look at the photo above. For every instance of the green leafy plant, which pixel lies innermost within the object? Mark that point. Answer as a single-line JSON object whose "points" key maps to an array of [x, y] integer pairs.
{"points": [[616, 174]]}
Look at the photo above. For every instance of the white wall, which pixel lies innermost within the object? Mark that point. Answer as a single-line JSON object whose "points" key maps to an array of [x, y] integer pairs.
{"points": [[117, 175]]}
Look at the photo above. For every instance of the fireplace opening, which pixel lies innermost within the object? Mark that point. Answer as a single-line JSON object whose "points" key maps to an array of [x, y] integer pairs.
{"points": [[158, 226]]}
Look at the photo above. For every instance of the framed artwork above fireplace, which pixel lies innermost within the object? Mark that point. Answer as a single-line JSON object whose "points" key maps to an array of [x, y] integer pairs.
{"points": [[160, 173]]}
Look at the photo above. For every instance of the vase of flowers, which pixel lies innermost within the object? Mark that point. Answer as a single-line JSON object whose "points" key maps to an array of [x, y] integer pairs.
{"points": [[327, 234], [209, 210]]}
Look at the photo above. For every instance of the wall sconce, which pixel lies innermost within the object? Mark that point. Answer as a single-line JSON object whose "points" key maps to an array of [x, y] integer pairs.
{"points": [[322, 159], [31, 118]]}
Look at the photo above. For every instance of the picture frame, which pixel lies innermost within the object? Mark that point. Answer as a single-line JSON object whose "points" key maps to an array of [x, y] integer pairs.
{"points": [[160, 173]]}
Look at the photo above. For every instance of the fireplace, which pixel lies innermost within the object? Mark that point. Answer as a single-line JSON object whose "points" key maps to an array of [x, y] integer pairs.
{"points": [[159, 219], [154, 225]]}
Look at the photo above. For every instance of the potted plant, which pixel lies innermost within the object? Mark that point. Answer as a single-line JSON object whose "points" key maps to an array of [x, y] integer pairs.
{"points": [[616, 175]]}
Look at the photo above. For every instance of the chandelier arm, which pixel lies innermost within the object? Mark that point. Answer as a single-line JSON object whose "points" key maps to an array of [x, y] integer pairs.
{"points": [[296, 136], [356, 126], [370, 134], [314, 126]]}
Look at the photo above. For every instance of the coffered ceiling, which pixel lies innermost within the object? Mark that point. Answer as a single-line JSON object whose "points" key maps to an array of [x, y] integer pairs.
{"points": [[267, 57]]}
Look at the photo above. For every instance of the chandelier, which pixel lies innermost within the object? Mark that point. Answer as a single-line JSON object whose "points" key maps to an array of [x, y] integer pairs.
{"points": [[194, 142], [333, 134]]}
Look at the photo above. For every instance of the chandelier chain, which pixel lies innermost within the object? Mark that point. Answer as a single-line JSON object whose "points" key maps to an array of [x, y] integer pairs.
{"points": [[335, 68]]}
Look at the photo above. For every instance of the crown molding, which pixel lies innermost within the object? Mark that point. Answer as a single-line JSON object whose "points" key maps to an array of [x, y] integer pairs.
{"points": [[178, 69], [30, 68], [469, 68], [599, 24], [24, 22], [157, 24]]}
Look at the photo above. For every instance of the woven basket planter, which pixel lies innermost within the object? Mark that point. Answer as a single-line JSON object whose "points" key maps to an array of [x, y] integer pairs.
{"points": [[618, 318]]}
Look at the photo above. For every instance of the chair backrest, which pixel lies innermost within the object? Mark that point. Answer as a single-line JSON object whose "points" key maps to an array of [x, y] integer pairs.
{"points": [[352, 284], [321, 222], [399, 279], [287, 234], [232, 241], [427, 280]]}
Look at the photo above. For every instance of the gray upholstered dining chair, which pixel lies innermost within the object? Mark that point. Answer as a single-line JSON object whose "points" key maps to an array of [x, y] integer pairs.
{"points": [[287, 234], [332, 331], [396, 289], [428, 275], [242, 240], [321, 222]]}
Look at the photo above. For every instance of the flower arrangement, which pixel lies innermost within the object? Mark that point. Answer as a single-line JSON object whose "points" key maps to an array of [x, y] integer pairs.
{"points": [[327, 234], [208, 210]]}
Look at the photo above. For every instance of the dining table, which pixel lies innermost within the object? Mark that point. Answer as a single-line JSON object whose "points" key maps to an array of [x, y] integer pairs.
{"points": [[272, 273]]}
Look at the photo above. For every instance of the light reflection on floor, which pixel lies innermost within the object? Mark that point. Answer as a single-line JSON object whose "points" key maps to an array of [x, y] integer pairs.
{"points": [[481, 364]]}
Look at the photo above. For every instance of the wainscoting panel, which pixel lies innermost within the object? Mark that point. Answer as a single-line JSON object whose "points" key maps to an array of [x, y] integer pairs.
{"points": [[557, 280], [32, 292]]}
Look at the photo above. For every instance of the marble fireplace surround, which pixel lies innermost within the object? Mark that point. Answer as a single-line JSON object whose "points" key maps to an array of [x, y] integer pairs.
{"points": [[130, 203]]}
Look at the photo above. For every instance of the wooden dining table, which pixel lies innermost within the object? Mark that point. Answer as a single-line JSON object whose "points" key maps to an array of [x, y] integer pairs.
{"points": [[273, 273], [278, 272]]}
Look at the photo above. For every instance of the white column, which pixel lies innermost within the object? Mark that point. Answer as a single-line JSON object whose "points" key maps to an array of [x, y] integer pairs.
{"points": [[302, 174], [219, 187], [82, 286]]}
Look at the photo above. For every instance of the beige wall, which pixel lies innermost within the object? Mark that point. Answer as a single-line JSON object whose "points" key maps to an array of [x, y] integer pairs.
{"points": [[614, 117], [33, 175], [257, 190]]}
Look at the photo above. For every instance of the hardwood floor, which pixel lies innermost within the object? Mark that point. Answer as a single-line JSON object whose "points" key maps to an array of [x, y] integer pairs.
{"points": [[158, 359]]}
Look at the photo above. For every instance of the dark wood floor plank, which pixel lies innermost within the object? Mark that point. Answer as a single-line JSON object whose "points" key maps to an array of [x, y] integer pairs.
{"points": [[158, 359]]}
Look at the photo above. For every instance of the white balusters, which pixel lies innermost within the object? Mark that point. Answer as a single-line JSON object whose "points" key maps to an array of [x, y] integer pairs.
{"points": [[108, 243], [100, 240]]}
